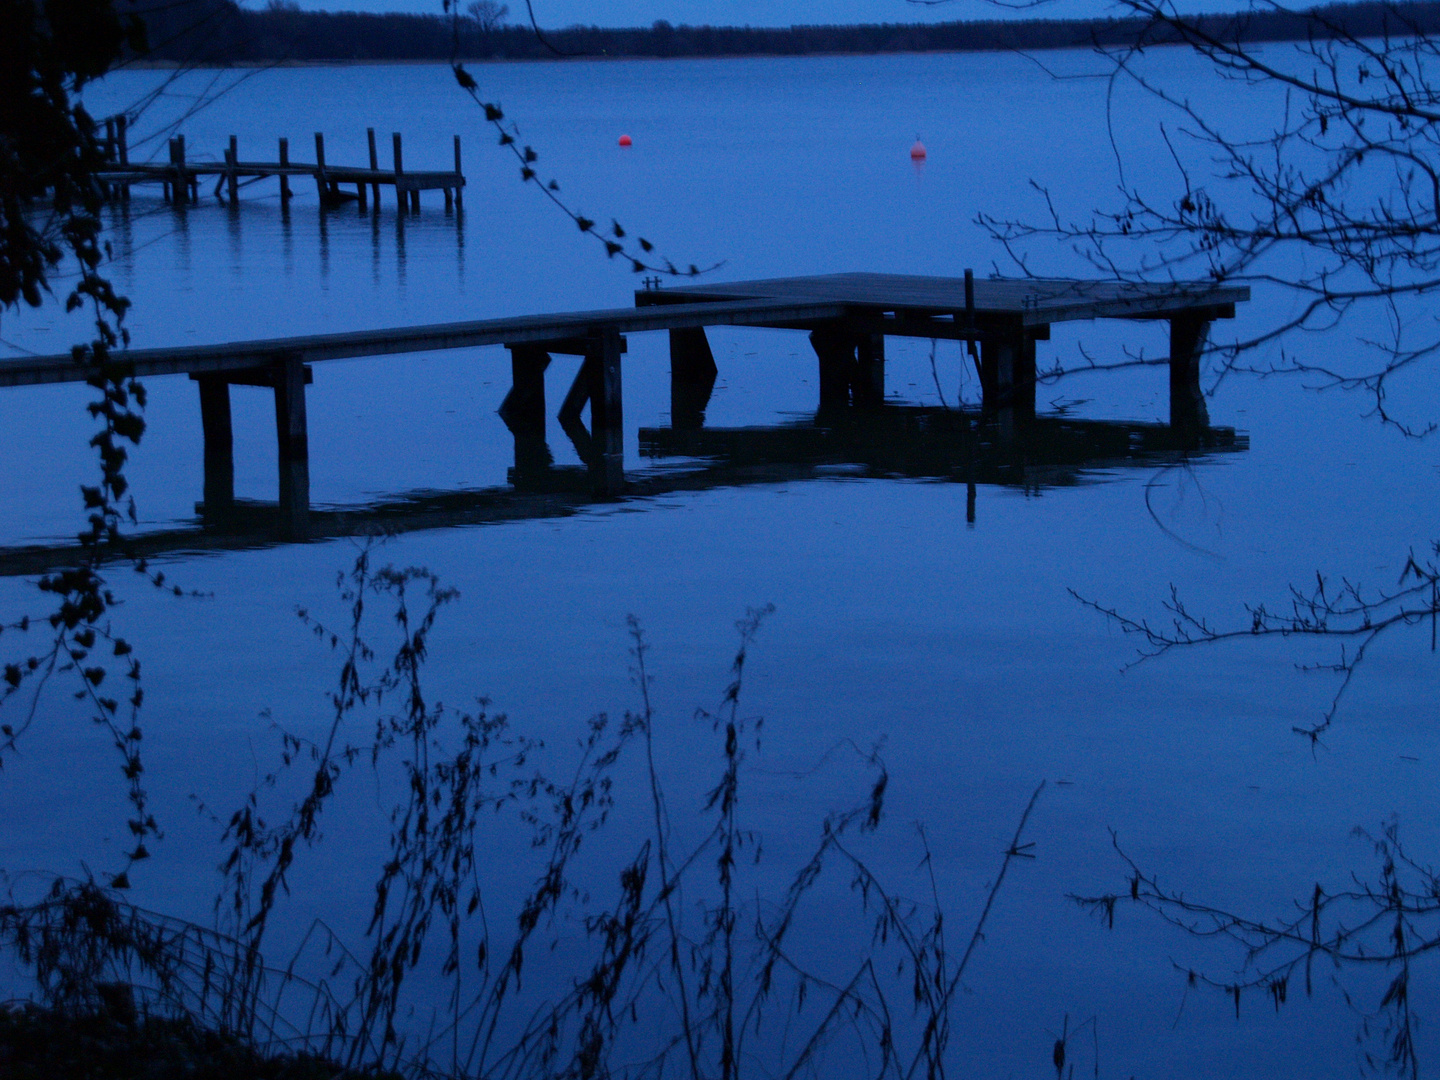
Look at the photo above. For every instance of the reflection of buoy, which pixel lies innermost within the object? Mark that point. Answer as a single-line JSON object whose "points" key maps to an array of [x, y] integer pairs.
{"points": [[624, 140], [917, 152]]}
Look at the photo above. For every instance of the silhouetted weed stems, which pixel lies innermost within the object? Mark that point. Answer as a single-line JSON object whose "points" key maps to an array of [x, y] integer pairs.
{"points": [[685, 968]]}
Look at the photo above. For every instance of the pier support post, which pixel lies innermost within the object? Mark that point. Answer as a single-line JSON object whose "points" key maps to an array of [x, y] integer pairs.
{"points": [[524, 406], [322, 183], [374, 166], [293, 440], [607, 432], [1007, 360], [122, 136], [459, 177], [1188, 333], [835, 351], [232, 162], [598, 382], [401, 203], [867, 382], [219, 443], [284, 176], [692, 378], [523, 409]]}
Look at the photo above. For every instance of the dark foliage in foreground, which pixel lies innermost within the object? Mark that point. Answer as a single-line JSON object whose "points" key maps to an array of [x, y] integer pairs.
{"points": [[113, 1042]]}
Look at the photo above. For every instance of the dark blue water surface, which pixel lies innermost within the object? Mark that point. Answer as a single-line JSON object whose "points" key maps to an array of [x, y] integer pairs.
{"points": [[959, 644]]}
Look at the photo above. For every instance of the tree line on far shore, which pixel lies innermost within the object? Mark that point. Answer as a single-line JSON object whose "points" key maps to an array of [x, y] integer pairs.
{"points": [[220, 31]]}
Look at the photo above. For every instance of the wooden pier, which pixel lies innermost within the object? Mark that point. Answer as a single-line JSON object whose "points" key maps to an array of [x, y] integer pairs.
{"points": [[181, 178], [847, 316]]}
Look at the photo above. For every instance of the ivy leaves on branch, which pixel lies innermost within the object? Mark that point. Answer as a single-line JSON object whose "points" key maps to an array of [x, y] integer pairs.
{"points": [[617, 242]]}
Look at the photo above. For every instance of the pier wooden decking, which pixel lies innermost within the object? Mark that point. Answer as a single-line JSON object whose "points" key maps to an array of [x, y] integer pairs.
{"points": [[1004, 316], [848, 317]]}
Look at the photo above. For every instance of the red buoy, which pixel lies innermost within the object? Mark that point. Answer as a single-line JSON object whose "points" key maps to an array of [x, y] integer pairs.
{"points": [[624, 140], [917, 152]]}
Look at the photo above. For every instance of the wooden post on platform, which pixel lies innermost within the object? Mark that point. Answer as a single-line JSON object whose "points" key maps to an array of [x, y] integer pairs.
{"points": [[292, 439], [1187, 343], [692, 378], [219, 490], [284, 176]]}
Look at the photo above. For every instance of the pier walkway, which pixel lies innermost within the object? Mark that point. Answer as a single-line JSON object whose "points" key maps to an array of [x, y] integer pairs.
{"points": [[180, 178], [848, 317]]}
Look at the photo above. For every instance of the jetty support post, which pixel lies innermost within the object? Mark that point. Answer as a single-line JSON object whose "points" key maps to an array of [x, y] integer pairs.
{"points": [[1007, 358], [867, 381], [232, 164], [219, 489], [322, 183], [835, 351], [692, 378], [598, 382], [122, 149], [290, 375], [523, 409], [1188, 334], [173, 188], [284, 174], [180, 186], [459, 177], [111, 155], [401, 194], [602, 357], [374, 166]]}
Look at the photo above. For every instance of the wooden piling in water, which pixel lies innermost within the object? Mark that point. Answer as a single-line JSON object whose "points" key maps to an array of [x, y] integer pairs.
{"points": [[321, 182], [122, 150], [219, 442], [374, 165], [232, 159], [399, 167], [602, 359], [692, 377], [189, 185], [459, 177], [294, 446], [170, 187], [284, 177], [867, 382], [1187, 401]]}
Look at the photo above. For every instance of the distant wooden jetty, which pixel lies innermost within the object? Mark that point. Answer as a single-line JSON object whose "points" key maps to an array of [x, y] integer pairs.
{"points": [[181, 179], [847, 316]]}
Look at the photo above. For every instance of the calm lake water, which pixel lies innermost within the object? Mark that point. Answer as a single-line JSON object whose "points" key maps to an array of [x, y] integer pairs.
{"points": [[958, 644]]}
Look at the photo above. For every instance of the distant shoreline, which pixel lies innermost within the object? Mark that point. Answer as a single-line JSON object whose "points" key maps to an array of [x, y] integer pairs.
{"points": [[228, 35]]}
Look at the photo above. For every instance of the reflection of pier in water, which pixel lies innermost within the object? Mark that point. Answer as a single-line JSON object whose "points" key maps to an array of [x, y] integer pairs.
{"points": [[894, 442]]}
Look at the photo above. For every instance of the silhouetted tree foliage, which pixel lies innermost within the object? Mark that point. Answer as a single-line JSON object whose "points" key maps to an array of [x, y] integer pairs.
{"points": [[283, 32], [50, 204], [1334, 206]]}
